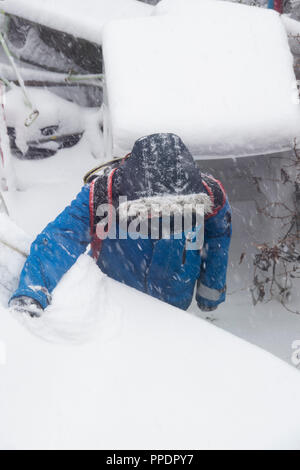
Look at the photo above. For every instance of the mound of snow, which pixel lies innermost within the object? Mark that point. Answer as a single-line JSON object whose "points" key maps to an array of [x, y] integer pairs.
{"points": [[82, 19], [151, 377], [221, 76]]}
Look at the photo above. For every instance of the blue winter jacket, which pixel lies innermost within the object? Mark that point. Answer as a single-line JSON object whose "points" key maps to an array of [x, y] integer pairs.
{"points": [[161, 268]]}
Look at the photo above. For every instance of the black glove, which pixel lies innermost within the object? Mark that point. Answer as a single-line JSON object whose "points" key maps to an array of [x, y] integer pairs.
{"points": [[27, 305], [205, 308]]}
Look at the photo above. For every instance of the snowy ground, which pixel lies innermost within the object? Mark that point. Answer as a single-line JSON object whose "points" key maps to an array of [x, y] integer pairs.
{"points": [[268, 325]]}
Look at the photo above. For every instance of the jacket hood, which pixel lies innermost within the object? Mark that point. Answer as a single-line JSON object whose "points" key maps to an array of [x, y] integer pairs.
{"points": [[159, 165]]}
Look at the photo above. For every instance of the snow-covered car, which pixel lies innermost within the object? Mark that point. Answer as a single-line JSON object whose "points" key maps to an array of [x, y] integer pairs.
{"points": [[50, 49], [224, 98], [57, 46], [63, 38]]}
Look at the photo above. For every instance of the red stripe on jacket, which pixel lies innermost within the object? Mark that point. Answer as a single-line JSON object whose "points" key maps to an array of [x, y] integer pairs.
{"points": [[212, 198], [96, 240]]}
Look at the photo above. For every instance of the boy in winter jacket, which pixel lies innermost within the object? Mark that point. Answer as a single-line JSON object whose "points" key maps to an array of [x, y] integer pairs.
{"points": [[160, 170]]}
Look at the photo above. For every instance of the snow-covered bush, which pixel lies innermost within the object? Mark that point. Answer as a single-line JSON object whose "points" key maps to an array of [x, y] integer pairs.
{"points": [[277, 264]]}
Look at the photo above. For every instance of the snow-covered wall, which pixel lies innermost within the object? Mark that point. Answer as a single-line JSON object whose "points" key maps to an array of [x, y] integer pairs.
{"points": [[218, 74]]}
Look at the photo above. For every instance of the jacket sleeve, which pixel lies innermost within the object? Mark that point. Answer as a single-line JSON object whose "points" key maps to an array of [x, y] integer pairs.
{"points": [[211, 287], [55, 250]]}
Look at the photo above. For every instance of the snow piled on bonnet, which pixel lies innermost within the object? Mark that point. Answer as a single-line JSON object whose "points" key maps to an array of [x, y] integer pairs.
{"points": [[84, 19], [220, 76], [53, 110]]}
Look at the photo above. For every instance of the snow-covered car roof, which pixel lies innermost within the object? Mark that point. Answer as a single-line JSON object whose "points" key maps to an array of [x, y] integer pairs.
{"points": [[221, 76], [84, 19]]}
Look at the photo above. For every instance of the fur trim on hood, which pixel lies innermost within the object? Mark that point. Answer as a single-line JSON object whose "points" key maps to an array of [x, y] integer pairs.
{"points": [[159, 206]]}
